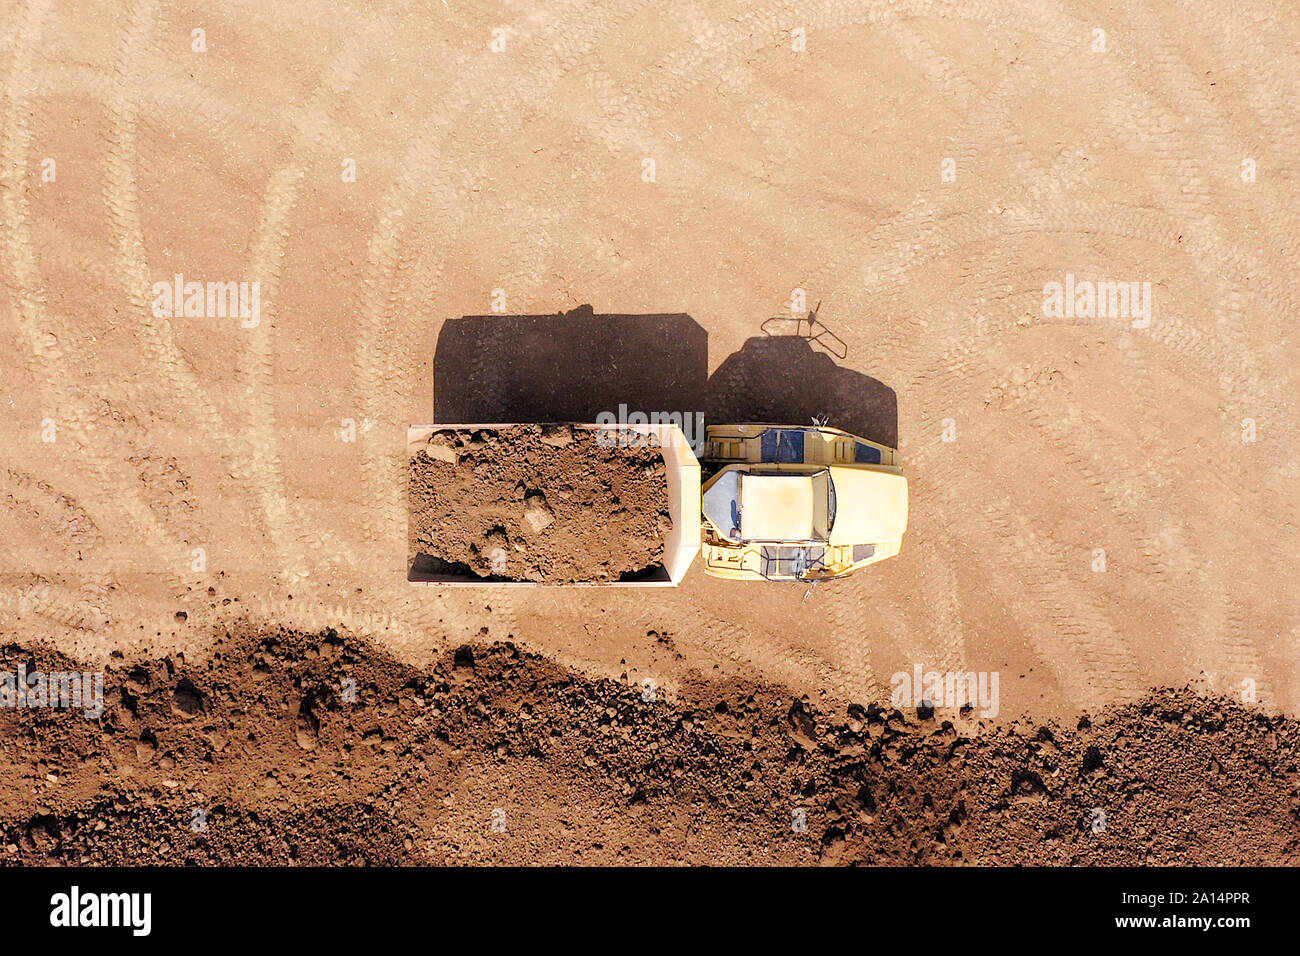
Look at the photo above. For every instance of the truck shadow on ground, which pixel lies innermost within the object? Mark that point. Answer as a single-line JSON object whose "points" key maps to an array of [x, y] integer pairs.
{"points": [[568, 367], [576, 365], [782, 379]]}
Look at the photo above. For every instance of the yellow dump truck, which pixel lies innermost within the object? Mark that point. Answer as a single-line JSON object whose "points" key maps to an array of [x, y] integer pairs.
{"points": [[763, 502]]}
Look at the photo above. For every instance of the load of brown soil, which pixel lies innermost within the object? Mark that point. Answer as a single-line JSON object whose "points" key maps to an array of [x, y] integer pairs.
{"points": [[547, 503], [280, 747]]}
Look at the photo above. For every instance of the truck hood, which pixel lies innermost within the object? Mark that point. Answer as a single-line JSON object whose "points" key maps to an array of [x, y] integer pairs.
{"points": [[870, 506]]}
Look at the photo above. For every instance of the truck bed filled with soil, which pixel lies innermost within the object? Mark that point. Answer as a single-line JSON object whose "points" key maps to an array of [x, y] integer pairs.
{"points": [[543, 503]]}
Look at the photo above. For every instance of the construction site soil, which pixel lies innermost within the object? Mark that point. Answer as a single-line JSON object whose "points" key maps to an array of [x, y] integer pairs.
{"points": [[538, 503], [284, 748]]}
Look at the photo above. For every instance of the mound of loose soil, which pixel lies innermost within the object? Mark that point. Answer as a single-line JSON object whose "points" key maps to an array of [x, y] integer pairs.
{"points": [[281, 747], [537, 503]]}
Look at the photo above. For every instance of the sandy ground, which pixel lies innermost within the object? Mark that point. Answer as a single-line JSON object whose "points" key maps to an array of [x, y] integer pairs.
{"points": [[155, 465]]}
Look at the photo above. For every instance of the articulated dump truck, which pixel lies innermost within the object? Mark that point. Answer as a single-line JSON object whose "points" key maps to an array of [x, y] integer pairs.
{"points": [[762, 502]]}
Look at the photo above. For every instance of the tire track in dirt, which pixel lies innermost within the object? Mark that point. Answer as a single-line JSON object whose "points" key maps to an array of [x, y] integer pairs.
{"points": [[939, 604], [1226, 648], [192, 111], [1131, 228], [1092, 662], [897, 244], [923, 226], [1174, 174], [848, 635], [121, 198], [758, 31], [61, 515], [38, 596], [626, 119], [1030, 173], [753, 651], [274, 613], [935, 470], [60, 519], [720, 45], [1013, 557], [1230, 651], [1216, 131], [260, 443], [1009, 553], [83, 257], [123, 515], [1162, 539], [1126, 486]]}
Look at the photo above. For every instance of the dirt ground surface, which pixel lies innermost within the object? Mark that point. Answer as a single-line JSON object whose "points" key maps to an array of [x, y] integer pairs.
{"points": [[1099, 506], [539, 503], [286, 748]]}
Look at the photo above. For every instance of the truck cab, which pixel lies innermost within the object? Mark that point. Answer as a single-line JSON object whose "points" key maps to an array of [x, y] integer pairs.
{"points": [[782, 503]]}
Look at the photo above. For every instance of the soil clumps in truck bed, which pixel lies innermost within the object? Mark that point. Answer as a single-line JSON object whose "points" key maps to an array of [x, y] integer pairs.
{"points": [[547, 503]]}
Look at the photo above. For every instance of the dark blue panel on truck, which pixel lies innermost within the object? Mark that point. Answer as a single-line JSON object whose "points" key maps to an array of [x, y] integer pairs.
{"points": [[783, 445], [865, 454]]}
